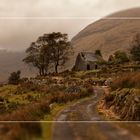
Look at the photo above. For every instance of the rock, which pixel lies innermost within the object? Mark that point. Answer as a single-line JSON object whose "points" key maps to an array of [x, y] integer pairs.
{"points": [[137, 99], [108, 82], [73, 89], [51, 106]]}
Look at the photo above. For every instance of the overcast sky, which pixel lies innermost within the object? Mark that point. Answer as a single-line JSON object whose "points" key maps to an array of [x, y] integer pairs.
{"points": [[22, 21]]}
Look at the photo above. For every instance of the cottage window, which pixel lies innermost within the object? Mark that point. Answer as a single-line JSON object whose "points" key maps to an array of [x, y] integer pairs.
{"points": [[96, 67], [88, 67], [83, 55]]}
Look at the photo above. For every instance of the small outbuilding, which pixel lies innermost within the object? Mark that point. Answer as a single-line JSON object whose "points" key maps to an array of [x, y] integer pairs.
{"points": [[87, 61]]}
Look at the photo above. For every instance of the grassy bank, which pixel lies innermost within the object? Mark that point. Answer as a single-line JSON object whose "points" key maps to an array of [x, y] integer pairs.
{"points": [[31, 103]]}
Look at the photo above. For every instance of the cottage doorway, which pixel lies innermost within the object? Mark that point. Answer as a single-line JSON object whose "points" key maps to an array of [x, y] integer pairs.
{"points": [[96, 67], [88, 67]]}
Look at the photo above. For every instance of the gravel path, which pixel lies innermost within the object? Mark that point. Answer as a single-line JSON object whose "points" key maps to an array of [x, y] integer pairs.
{"points": [[81, 121]]}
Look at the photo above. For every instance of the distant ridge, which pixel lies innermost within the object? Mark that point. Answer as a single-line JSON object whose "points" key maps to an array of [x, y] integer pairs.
{"points": [[12, 61], [108, 35]]}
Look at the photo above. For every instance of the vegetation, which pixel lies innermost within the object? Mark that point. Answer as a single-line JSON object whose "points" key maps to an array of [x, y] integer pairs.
{"points": [[124, 98], [119, 57], [32, 100], [35, 99], [127, 80], [49, 50], [53, 114], [14, 78], [125, 103], [20, 131], [98, 52], [111, 59], [135, 51], [47, 128]]}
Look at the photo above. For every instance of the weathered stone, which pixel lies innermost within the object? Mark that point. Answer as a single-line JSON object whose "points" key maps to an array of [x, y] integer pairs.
{"points": [[73, 89], [137, 99], [87, 61]]}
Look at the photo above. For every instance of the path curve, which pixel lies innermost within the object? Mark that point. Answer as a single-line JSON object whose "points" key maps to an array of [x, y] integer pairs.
{"points": [[81, 121]]}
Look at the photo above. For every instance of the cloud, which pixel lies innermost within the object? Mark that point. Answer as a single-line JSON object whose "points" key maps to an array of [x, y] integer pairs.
{"points": [[16, 34], [63, 7]]}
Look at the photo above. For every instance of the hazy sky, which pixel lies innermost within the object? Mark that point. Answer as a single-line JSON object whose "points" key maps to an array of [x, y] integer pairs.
{"points": [[22, 21]]}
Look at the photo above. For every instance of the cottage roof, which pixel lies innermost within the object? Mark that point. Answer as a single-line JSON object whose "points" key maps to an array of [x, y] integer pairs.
{"points": [[89, 56]]}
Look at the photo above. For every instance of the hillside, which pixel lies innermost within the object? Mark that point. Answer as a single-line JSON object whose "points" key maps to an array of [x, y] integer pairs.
{"points": [[12, 61], [109, 35]]}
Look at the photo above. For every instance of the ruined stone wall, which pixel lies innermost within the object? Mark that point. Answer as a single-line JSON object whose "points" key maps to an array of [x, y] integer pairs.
{"points": [[81, 64]]}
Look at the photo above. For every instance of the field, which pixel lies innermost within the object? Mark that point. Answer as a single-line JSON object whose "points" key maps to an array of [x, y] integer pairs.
{"points": [[42, 98], [35, 100]]}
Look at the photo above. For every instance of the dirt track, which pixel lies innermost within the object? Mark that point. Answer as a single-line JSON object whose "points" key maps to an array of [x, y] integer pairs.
{"points": [[81, 121]]}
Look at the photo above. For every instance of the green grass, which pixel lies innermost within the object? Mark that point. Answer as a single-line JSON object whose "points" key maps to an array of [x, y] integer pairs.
{"points": [[9, 93], [83, 73], [47, 127], [131, 66], [6, 90]]}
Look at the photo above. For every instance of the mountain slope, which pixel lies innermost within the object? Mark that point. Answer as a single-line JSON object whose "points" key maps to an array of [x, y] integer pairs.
{"points": [[109, 34]]}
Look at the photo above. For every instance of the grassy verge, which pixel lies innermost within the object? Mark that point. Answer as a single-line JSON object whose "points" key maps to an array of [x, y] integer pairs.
{"points": [[84, 73], [109, 115], [48, 126]]}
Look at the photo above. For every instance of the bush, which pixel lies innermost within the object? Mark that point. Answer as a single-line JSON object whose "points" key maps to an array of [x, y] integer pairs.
{"points": [[27, 87], [109, 98], [98, 53], [121, 57], [135, 51], [90, 89], [20, 131], [31, 112], [125, 103], [14, 78], [128, 80]]}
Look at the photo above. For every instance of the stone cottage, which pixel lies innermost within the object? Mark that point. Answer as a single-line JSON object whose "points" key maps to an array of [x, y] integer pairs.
{"points": [[87, 61]]}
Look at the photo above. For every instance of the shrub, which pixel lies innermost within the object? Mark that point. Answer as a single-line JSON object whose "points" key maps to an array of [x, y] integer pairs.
{"points": [[20, 131], [109, 98], [14, 78], [121, 57], [90, 89], [27, 87], [98, 53], [135, 51], [128, 80], [12, 106], [125, 103], [29, 112]]}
